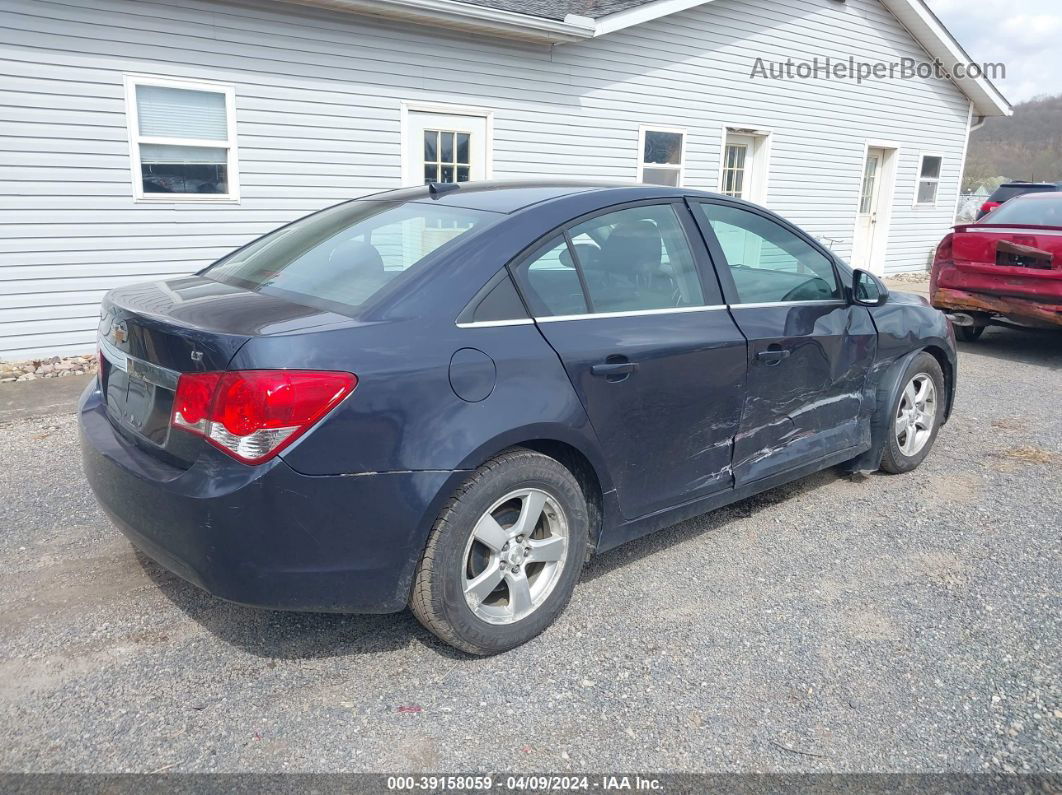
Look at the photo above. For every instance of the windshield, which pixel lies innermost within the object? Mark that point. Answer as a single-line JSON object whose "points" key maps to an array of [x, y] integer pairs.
{"points": [[1039, 211], [341, 257]]}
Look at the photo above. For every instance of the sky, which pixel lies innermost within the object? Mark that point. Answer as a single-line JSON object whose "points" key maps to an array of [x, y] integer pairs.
{"points": [[1023, 34]]}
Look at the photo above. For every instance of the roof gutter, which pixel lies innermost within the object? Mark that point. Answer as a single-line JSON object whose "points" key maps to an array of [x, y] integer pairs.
{"points": [[926, 28], [914, 15], [464, 16]]}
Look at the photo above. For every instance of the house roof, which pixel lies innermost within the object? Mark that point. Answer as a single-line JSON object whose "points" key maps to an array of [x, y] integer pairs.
{"points": [[565, 21], [559, 9]]}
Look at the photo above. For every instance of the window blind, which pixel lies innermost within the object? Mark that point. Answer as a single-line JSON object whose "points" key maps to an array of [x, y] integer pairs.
{"points": [[180, 113]]}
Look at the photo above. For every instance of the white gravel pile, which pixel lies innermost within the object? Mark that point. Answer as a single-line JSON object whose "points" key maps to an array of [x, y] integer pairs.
{"points": [[52, 367], [913, 277]]}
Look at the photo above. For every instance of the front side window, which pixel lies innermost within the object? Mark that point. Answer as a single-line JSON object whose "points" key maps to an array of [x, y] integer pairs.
{"points": [[661, 156], [338, 259], [182, 141], [632, 260], [768, 263], [929, 179]]}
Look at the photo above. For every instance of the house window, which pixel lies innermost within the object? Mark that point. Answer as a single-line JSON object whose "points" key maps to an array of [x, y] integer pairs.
{"points": [[870, 183], [182, 139], [929, 179], [662, 153], [447, 156], [734, 161], [744, 163]]}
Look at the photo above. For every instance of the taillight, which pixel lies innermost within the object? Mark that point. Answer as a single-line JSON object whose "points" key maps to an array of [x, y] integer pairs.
{"points": [[988, 207], [254, 414], [942, 257], [944, 250]]}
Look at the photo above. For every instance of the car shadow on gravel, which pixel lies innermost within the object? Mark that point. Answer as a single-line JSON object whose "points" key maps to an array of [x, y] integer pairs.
{"points": [[284, 635], [1041, 348], [716, 520], [281, 635]]}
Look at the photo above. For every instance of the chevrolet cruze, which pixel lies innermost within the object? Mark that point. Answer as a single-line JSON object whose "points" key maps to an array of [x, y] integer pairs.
{"points": [[451, 397]]}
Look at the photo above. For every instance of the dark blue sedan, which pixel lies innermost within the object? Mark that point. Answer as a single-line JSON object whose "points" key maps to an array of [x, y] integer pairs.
{"points": [[451, 397]]}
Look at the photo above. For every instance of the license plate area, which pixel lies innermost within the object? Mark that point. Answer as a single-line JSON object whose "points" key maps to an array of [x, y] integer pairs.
{"points": [[1023, 253], [138, 395]]}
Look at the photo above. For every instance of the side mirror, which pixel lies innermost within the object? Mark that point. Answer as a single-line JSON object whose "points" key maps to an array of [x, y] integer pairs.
{"points": [[868, 289]]}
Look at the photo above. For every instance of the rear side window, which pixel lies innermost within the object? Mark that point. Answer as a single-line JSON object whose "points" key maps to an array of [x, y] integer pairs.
{"points": [[631, 260], [637, 259], [1039, 211], [553, 281], [499, 301], [338, 259]]}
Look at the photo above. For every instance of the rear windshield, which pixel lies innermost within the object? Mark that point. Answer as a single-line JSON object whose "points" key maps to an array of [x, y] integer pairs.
{"points": [[341, 257], [1006, 192], [1045, 211]]}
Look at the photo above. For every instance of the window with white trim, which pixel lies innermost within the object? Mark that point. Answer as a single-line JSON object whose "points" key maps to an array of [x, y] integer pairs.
{"points": [[662, 153], [182, 138], [929, 179], [744, 163], [735, 159]]}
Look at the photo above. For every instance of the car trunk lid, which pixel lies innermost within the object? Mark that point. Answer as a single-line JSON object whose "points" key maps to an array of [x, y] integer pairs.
{"points": [[152, 333], [1014, 260]]}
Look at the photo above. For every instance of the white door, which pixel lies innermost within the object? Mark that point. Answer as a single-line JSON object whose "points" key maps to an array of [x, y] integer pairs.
{"points": [[441, 147], [869, 202]]}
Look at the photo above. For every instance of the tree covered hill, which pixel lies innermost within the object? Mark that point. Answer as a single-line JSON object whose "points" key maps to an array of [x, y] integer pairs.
{"points": [[1025, 146]]}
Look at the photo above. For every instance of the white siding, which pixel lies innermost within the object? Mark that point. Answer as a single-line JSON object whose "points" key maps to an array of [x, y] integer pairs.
{"points": [[317, 100]]}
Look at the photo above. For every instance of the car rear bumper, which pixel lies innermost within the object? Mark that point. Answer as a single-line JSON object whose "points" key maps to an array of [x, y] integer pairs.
{"points": [[266, 536], [1021, 309]]}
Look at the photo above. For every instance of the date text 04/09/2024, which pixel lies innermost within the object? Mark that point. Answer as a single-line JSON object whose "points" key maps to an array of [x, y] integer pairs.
{"points": [[519, 783]]}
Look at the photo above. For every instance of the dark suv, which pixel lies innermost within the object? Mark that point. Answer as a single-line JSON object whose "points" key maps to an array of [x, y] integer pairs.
{"points": [[1008, 190]]}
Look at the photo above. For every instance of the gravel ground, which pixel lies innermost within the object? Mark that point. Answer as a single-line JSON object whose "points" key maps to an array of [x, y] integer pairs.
{"points": [[891, 624]]}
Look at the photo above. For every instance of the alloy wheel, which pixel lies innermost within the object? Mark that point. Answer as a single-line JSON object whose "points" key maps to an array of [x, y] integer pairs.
{"points": [[916, 415], [515, 556]]}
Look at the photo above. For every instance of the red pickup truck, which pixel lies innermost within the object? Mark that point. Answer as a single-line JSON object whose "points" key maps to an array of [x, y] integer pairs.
{"points": [[1005, 269]]}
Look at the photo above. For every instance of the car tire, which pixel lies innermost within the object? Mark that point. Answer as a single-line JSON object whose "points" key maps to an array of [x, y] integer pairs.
{"points": [[915, 417], [480, 589], [970, 333]]}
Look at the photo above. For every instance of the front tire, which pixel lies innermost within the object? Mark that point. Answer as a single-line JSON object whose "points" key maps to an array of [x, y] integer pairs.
{"points": [[504, 555], [916, 416], [970, 333]]}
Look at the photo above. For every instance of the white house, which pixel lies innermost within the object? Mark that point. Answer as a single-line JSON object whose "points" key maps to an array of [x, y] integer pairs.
{"points": [[144, 139]]}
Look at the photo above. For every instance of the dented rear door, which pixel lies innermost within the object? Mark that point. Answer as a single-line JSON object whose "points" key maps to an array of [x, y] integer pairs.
{"points": [[652, 353]]}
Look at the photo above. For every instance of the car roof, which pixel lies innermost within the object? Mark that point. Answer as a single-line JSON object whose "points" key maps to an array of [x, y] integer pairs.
{"points": [[1039, 196], [509, 196]]}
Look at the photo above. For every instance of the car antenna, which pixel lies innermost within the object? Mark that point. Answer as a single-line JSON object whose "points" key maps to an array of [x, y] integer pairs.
{"points": [[437, 189]]}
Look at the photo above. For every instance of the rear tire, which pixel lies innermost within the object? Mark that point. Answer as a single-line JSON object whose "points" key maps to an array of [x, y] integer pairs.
{"points": [[970, 333], [916, 416], [503, 557]]}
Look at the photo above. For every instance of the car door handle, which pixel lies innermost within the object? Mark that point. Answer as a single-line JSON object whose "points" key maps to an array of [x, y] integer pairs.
{"points": [[774, 355], [614, 370]]}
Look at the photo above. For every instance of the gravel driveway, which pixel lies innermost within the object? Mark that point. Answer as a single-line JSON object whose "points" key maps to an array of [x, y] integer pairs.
{"points": [[893, 624]]}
